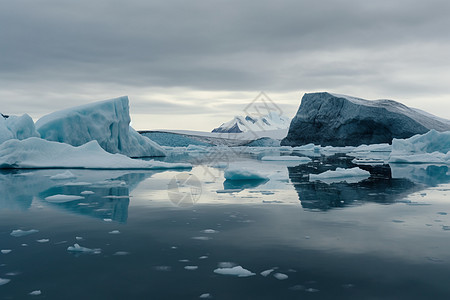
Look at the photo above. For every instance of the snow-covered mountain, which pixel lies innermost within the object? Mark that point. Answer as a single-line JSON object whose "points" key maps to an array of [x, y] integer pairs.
{"points": [[272, 121]]}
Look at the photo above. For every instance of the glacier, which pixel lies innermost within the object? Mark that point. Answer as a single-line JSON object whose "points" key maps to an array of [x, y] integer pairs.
{"points": [[107, 122], [17, 127], [34, 153], [337, 120]]}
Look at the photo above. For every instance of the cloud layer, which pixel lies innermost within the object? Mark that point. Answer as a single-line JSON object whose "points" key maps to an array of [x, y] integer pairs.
{"points": [[211, 56]]}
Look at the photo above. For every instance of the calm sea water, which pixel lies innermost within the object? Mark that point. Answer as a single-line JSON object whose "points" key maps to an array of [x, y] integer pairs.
{"points": [[161, 235]]}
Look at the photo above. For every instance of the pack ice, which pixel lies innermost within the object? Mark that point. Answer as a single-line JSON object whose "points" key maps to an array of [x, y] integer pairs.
{"points": [[107, 122]]}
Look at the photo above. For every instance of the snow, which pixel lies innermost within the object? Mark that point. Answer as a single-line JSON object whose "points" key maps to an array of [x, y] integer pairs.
{"points": [[234, 271], [62, 198], [300, 159], [240, 173], [107, 122], [271, 121], [63, 176], [20, 232], [432, 147], [78, 248], [17, 127], [39, 153], [340, 174]]}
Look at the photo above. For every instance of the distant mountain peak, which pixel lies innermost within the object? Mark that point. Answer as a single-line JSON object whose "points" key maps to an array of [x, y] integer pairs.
{"points": [[272, 121]]}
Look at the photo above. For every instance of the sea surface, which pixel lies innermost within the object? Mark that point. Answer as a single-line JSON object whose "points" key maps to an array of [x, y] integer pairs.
{"points": [[173, 234]]}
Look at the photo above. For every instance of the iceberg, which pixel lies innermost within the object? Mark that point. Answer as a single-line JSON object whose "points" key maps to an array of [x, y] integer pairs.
{"points": [[432, 147], [107, 122], [36, 153], [15, 127], [337, 120], [80, 249]]}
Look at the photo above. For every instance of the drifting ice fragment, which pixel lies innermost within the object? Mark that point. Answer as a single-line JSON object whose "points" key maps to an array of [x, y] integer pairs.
{"points": [[63, 176], [20, 232], [239, 173], [4, 281], [234, 271], [78, 248], [6, 251], [340, 174], [43, 241], [280, 276], [62, 198], [266, 272], [191, 268], [205, 296], [35, 293]]}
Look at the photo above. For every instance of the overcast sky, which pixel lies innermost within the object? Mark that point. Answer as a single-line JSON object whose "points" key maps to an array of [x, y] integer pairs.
{"points": [[195, 64]]}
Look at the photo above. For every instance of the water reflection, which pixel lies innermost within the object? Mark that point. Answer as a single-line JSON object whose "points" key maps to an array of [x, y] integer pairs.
{"points": [[386, 184], [103, 194]]}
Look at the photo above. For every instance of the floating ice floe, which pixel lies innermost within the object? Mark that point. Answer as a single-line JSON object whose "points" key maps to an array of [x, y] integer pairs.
{"points": [[6, 251], [191, 268], [266, 272], [239, 173], [20, 232], [234, 271], [43, 241], [62, 198], [4, 281], [205, 296], [80, 249], [39, 153], [340, 174], [107, 122], [121, 253], [114, 232], [432, 147], [299, 159], [87, 193], [63, 176], [210, 231], [280, 276], [35, 293]]}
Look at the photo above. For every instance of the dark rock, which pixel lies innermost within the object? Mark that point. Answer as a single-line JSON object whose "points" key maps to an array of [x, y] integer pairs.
{"points": [[336, 120]]}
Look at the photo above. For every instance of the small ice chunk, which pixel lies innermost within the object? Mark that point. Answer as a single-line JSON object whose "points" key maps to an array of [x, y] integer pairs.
{"points": [[280, 276], [24, 245], [183, 260], [191, 268], [201, 238], [78, 248], [121, 253], [35, 293], [4, 281], [6, 251], [203, 257], [210, 231], [78, 238], [114, 232], [311, 290], [267, 272], [163, 268], [107, 220], [205, 296], [234, 271], [63, 176], [43, 241], [19, 232], [87, 193], [341, 174], [62, 198]]}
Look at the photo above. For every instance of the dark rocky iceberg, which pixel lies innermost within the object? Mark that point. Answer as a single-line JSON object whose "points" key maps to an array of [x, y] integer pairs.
{"points": [[336, 120]]}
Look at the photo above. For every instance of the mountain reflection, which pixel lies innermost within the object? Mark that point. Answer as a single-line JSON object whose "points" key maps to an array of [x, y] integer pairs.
{"points": [[386, 184]]}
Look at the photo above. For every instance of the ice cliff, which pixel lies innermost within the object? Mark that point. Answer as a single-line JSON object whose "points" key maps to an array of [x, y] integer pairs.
{"points": [[337, 120], [107, 122]]}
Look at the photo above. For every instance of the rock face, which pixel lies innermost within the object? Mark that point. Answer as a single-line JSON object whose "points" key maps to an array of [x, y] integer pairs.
{"points": [[337, 120], [107, 122]]}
